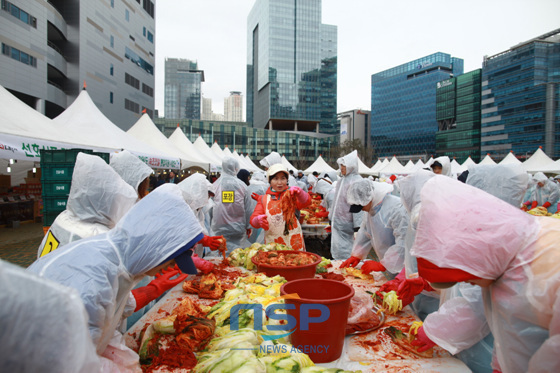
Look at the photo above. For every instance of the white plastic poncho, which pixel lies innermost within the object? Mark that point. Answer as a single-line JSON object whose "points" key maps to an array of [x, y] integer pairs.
{"points": [[323, 187], [518, 251], [312, 180], [271, 159], [342, 220], [130, 168], [231, 219], [98, 199], [547, 193], [195, 192], [507, 182], [105, 268], [445, 165], [43, 326], [384, 227]]}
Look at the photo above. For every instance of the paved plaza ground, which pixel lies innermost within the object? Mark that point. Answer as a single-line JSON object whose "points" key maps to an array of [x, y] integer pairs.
{"points": [[19, 245]]}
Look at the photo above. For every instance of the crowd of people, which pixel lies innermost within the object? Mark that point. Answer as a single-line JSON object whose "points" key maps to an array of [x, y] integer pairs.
{"points": [[482, 274]]}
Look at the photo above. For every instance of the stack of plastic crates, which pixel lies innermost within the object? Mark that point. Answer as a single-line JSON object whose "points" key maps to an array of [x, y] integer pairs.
{"points": [[57, 167]]}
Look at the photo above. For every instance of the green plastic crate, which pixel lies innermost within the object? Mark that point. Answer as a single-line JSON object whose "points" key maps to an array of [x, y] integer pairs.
{"points": [[56, 188], [56, 172], [49, 217], [61, 156], [104, 156], [54, 203]]}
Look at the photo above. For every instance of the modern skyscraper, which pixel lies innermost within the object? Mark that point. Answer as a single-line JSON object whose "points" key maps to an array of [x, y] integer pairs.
{"points": [[233, 107], [403, 105], [291, 67], [520, 99], [206, 108], [49, 48], [183, 95], [458, 116]]}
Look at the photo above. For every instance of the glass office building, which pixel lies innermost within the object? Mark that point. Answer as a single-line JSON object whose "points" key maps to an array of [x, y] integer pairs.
{"points": [[291, 67], [183, 94], [300, 148], [520, 99], [403, 106], [458, 117]]}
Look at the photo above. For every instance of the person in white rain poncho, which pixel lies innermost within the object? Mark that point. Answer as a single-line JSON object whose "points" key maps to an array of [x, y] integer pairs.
{"points": [[542, 192], [441, 166], [230, 216], [459, 325], [43, 326], [343, 222], [257, 187], [383, 228], [132, 170], [159, 230], [98, 199], [467, 235], [270, 160]]}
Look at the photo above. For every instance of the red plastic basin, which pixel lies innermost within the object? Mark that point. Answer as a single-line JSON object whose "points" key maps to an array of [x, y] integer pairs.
{"points": [[289, 272]]}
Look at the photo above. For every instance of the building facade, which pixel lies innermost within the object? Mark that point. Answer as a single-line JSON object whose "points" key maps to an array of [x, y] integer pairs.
{"points": [[183, 93], [520, 99], [233, 107], [403, 106], [355, 124], [300, 149], [50, 48], [291, 67], [458, 116], [206, 109]]}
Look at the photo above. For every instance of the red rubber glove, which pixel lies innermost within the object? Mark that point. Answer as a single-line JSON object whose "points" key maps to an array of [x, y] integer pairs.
{"points": [[202, 265], [328, 229], [527, 203], [350, 262], [546, 205], [249, 232], [322, 214], [534, 204], [260, 221], [372, 266], [301, 195], [392, 285], [411, 287], [255, 196], [213, 242], [423, 342], [157, 287]]}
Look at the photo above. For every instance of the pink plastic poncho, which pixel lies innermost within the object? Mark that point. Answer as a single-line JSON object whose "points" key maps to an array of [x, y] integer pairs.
{"points": [[465, 228]]}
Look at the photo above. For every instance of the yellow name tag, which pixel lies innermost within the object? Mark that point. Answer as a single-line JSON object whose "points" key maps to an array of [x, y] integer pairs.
{"points": [[51, 244], [228, 196]]}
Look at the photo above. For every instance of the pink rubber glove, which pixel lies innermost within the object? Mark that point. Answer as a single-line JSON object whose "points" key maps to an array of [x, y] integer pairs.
{"points": [[350, 262], [301, 195], [422, 341], [260, 221], [411, 287], [372, 266], [202, 265], [157, 287], [213, 242]]}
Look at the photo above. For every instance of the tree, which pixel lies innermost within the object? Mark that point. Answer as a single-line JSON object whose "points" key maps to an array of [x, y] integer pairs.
{"points": [[364, 153]]}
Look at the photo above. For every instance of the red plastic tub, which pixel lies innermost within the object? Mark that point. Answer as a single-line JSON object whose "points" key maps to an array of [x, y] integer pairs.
{"points": [[288, 272], [323, 340]]}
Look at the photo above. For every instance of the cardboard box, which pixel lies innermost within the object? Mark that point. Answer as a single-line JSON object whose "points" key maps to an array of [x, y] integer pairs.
{"points": [[5, 181], [32, 180]]}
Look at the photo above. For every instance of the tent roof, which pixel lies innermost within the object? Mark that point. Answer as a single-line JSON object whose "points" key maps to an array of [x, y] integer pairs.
{"points": [[320, 166], [537, 162], [287, 163], [455, 167], [510, 159], [145, 130], [363, 169], [379, 165], [487, 160], [217, 150], [243, 162], [418, 166], [248, 159], [409, 166], [204, 150], [393, 167], [84, 116]]}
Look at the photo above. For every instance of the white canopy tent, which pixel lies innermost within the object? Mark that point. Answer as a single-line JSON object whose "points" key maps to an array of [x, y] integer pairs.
{"points": [[487, 160], [248, 159], [378, 166], [510, 159], [553, 168], [394, 167], [465, 165], [418, 166], [145, 130], [217, 150], [243, 162], [363, 169], [537, 162], [84, 117], [320, 166], [409, 166], [287, 163], [455, 167], [205, 151]]}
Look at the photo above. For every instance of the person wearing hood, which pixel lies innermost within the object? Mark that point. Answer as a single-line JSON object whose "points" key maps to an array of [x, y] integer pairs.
{"points": [[301, 177], [156, 233], [343, 222], [383, 228], [441, 166], [43, 326], [542, 192], [268, 213], [270, 160], [258, 187], [312, 179], [98, 199], [512, 256], [231, 213], [244, 176], [132, 170]]}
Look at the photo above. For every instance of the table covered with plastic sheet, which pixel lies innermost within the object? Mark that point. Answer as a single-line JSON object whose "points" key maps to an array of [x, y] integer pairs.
{"points": [[367, 352]]}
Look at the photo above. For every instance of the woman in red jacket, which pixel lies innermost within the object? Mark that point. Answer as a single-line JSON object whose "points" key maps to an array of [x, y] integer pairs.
{"points": [[268, 213]]}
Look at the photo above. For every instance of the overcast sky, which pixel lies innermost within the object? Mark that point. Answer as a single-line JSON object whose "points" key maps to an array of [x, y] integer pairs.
{"points": [[373, 36]]}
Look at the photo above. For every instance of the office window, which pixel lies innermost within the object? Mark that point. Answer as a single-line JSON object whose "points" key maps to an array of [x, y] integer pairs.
{"points": [[144, 31], [126, 15], [111, 97], [132, 81], [150, 37], [18, 55], [112, 41], [111, 70], [19, 13]]}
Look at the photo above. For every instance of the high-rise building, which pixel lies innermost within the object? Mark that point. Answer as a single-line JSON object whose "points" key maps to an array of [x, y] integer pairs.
{"points": [[206, 108], [458, 116], [49, 48], [403, 106], [291, 67], [520, 99], [355, 125], [183, 94], [233, 107]]}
